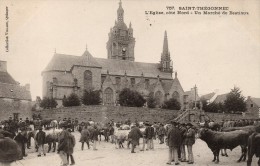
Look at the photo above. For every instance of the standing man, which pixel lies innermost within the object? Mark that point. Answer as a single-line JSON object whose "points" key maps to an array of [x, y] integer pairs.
{"points": [[174, 141], [63, 144], [183, 131], [149, 134], [85, 135], [95, 137], [161, 133], [71, 143], [134, 136], [190, 140], [40, 140]]}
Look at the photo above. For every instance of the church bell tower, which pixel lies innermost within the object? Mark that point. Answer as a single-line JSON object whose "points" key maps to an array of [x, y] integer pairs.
{"points": [[121, 43]]}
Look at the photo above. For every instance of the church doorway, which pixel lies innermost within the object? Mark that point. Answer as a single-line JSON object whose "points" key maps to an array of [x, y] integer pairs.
{"points": [[108, 96]]}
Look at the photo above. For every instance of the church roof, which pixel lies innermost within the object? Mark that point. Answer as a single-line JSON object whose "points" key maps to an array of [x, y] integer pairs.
{"points": [[5, 77], [119, 67], [14, 91], [63, 62]]}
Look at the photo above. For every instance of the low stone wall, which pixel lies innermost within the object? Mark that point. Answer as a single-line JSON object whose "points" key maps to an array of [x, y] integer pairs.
{"points": [[105, 113]]}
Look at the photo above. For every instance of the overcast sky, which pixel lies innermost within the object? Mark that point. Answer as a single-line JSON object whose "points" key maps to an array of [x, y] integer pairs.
{"points": [[213, 52]]}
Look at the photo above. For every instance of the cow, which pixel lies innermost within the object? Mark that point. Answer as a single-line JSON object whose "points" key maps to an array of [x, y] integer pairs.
{"points": [[253, 148], [51, 138], [250, 129], [120, 137], [224, 140]]}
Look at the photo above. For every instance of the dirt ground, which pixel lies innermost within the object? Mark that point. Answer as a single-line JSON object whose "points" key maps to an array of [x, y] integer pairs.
{"points": [[108, 155]]}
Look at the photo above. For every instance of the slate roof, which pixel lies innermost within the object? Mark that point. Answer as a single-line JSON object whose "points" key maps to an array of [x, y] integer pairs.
{"points": [[5, 77], [119, 67], [256, 101], [14, 91], [207, 96], [220, 98], [62, 62]]}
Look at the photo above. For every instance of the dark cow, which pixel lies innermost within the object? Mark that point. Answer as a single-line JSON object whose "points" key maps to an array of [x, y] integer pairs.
{"points": [[225, 140], [253, 148], [250, 129]]}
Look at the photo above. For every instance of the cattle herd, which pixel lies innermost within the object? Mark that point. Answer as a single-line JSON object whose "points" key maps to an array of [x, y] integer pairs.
{"points": [[220, 136]]}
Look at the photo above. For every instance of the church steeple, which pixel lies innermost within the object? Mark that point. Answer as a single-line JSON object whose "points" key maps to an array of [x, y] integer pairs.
{"points": [[120, 13], [165, 56]]}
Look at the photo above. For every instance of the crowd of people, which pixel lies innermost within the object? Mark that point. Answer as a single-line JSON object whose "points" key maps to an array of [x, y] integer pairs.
{"points": [[177, 136]]}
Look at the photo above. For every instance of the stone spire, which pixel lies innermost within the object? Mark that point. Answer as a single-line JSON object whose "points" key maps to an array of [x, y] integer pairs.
{"points": [[165, 56], [165, 44]]}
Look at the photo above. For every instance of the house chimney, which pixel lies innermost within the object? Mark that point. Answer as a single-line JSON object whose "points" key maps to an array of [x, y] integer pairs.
{"points": [[3, 66]]}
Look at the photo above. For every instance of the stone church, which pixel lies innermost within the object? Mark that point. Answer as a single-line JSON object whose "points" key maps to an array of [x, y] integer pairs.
{"points": [[66, 74]]}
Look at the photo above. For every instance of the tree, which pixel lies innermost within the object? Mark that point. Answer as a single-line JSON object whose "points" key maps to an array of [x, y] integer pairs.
{"points": [[48, 103], [91, 97], [131, 98], [72, 100], [151, 102], [235, 101], [171, 104]]}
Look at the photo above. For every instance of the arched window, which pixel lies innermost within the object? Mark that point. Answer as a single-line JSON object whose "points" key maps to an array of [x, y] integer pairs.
{"points": [[159, 98], [75, 82], [176, 96], [108, 96], [87, 80]]}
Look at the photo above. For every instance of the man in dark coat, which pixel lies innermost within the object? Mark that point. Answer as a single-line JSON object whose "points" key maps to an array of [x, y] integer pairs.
{"points": [[85, 136], [189, 141], [64, 144], [21, 139], [73, 143], [149, 135], [40, 141], [134, 136], [174, 141], [183, 131]]}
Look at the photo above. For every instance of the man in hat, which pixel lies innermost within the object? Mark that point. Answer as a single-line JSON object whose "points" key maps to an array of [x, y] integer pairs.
{"points": [[63, 144], [190, 140], [37, 124], [134, 136], [174, 141], [40, 140], [183, 131], [149, 135]]}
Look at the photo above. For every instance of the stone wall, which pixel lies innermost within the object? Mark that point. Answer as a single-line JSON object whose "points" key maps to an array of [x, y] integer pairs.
{"points": [[105, 113], [9, 107]]}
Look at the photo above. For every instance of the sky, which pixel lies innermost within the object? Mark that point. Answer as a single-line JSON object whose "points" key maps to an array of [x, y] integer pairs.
{"points": [[215, 52]]}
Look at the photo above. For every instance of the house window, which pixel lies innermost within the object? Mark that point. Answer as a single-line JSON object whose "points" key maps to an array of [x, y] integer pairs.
{"points": [[132, 81], [252, 105]]}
